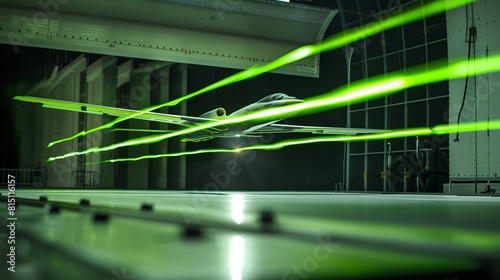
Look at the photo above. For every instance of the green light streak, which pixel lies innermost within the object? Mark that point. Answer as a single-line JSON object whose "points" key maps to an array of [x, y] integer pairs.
{"points": [[467, 127], [263, 114], [355, 138], [439, 129], [359, 91], [142, 130], [328, 44], [205, 151]]}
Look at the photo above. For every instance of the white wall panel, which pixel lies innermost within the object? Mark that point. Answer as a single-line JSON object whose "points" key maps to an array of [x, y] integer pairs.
{"points": [[57, 124], [475, 154]]}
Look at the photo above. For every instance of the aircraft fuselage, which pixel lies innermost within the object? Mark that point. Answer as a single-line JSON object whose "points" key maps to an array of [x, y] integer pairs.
{"points": [[242, 129]]}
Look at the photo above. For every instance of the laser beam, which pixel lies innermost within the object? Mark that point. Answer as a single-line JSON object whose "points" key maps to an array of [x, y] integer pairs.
{"points": [[359, 91], [424, 131], [331, 43]]}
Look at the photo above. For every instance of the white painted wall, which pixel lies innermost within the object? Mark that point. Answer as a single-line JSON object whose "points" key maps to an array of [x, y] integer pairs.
{"points": [[476, 155]]}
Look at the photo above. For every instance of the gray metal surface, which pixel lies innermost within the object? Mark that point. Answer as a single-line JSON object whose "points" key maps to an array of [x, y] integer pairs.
{"points": [[475, 155], [271, 235], [233, 34]]}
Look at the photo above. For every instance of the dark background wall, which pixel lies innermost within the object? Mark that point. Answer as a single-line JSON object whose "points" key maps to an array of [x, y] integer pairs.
{"points": [[320, 166], [305, 167]]}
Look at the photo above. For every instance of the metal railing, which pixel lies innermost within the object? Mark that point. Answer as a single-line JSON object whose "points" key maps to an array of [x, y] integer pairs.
{"points": [[24, 177], [85, 179]]}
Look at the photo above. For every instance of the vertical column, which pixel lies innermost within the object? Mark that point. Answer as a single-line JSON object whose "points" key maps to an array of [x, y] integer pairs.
{"points": [[58, 124], [140, 92], [347, 145], [82, 125], [101, 89], [124, 72], [387, 167], [367, 124], [403, 47], [176, 172], [122, 101], [160, 93]]}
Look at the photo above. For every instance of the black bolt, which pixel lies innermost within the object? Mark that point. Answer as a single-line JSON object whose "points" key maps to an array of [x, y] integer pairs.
{"points": [[147, 207], [43, 198], [266, 217], [192, 232], [51, 209], [101, 217], [54, 209], [84, 202]]}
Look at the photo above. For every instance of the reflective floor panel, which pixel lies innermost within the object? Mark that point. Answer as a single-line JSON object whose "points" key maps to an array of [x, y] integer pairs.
{"points": [[115, 234]]}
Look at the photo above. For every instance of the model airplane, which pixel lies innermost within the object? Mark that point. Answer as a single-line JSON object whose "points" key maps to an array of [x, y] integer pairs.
{"points": [[252, 129]]}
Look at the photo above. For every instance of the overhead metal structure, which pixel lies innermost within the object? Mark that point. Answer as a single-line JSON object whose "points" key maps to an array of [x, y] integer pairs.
{"points": [[233, 34]]}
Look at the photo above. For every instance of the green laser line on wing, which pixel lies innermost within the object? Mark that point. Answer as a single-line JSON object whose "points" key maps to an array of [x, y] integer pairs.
{"points": [[264, 114], [204, 151], [328, 44], [358, 91], [438, 130]]}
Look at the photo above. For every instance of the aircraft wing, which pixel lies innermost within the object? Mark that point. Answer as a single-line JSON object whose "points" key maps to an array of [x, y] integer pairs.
{"points": [[188, 121], [286, 128], [111, 111]]}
